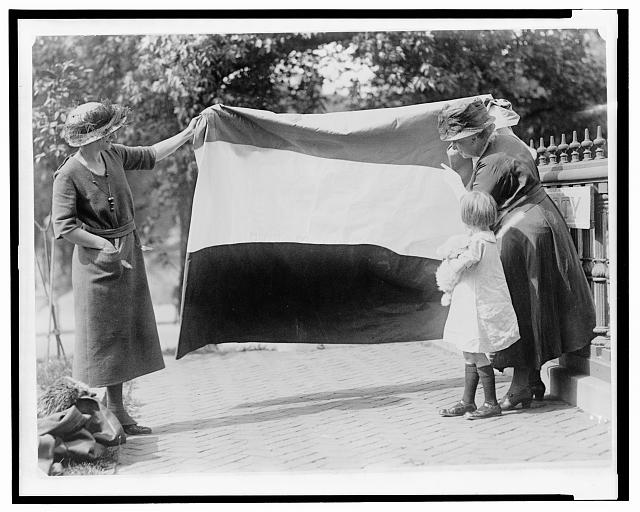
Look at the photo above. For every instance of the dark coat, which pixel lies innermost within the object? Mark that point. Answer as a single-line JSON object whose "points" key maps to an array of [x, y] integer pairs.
{"points": [[548, 287], [116, 338]]}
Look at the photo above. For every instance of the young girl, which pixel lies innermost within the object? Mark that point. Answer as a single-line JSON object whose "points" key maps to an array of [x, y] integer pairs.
{"points": [[481, 318]]}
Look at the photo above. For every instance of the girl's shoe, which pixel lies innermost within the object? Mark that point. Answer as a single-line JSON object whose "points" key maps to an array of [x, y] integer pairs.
{"points": [[458, 409], [487, 410], [513, 398], [538, 389]]}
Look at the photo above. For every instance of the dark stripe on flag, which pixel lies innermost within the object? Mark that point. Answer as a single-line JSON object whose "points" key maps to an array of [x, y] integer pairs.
{"points": [[306, 293]]}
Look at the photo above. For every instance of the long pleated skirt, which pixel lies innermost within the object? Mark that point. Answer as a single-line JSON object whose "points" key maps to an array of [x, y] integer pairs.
{"points": [[116, 335], [549, 291]]}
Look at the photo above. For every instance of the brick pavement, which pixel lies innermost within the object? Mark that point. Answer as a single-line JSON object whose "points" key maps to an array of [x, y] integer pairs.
{"points": [[368, 407]]}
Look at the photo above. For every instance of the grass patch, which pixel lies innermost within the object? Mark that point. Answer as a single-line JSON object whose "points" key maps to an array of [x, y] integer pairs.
{"points": [[105, 465], [228, 348], [208, 349], [231, 347], [251, 346], [47, 372]]}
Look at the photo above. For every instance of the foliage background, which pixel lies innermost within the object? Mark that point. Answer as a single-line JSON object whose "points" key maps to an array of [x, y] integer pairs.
{"points": [[556, 80]]}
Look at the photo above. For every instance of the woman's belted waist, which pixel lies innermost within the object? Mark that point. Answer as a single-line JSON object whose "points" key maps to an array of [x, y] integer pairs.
{"points": [[534, 197], [123, 230]]}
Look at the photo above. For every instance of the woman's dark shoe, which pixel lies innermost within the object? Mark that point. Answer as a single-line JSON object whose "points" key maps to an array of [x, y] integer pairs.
{"points": [[538, 389], [487, 410], [513, 398], [458, 409], [136, 430]]}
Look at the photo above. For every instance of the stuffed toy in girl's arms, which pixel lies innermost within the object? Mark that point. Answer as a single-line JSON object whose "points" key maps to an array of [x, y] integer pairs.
{"points": [[451, 268]]}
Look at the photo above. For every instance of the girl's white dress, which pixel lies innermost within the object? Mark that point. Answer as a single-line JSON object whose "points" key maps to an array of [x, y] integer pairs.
{"points": [[481, 317]]}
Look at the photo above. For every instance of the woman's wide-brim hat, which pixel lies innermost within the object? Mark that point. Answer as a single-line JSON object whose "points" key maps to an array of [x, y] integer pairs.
{"points": [[93, 121], [463, 119]]}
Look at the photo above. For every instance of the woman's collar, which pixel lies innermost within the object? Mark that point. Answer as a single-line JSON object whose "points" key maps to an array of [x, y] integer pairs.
{"points": [[484, 149]]}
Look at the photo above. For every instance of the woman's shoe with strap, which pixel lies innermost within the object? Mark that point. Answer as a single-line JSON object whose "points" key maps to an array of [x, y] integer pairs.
{"points": [[513, 398], [136, 430]]}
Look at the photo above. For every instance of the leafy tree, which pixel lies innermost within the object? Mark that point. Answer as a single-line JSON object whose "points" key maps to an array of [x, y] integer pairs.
{"points": [[554, 78]]}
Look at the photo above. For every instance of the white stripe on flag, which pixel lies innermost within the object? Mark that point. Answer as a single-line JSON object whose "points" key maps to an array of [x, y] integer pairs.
{"points": [[250, 194]]}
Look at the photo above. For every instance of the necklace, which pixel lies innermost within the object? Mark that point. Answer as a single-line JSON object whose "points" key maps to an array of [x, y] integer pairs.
{"points": [[110, 199]]}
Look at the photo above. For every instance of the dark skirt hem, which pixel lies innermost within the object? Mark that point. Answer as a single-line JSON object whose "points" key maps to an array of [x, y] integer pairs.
{"points": [[510, 363], [134, 376]]}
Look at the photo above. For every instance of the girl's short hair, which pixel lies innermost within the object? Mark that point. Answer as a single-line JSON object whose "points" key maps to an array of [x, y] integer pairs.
{"points": [[478, 209]]}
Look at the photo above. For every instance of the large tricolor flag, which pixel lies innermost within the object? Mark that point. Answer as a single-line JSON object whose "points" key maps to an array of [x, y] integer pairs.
{"points": [[317, 228]]}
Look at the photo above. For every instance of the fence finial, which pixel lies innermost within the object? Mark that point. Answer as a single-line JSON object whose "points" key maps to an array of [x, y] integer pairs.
{"points": [[586, 145], [599, 143], [562, 147], [553, 159], [541, 153], [575, 156]]}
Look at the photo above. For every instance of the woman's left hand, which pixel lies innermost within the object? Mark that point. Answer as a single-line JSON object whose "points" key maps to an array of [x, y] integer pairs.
{"points": [[166, 147], [192, 125]]}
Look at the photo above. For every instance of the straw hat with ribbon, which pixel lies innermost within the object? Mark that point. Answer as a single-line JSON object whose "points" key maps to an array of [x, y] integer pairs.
{"points": [[92, 121], [463, 119]]}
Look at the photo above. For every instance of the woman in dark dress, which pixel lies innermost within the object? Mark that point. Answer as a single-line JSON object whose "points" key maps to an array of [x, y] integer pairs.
{"points": [[116, 339], [549, 291]]}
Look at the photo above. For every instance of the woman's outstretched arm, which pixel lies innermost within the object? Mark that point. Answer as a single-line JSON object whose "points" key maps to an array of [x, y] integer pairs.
{"points": [[166, 147]]}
